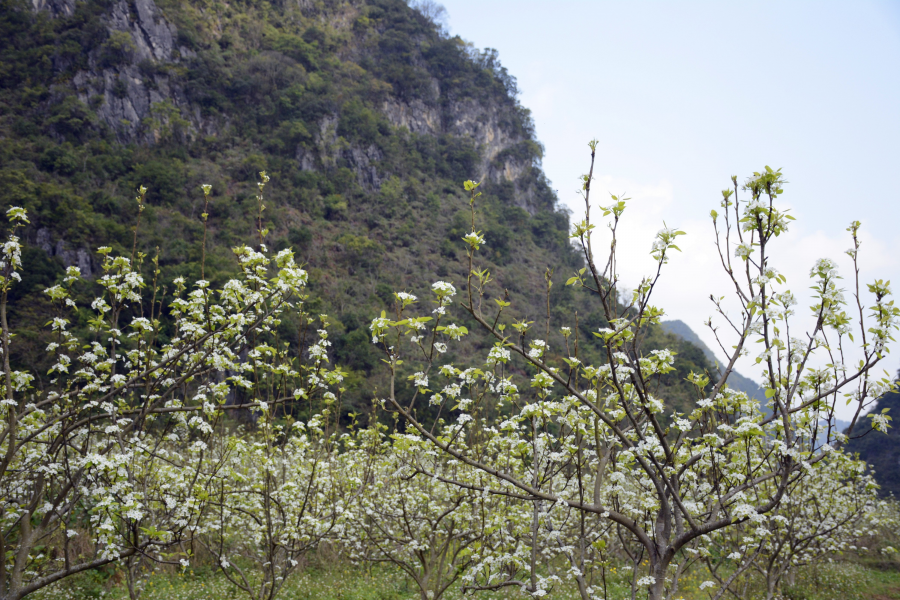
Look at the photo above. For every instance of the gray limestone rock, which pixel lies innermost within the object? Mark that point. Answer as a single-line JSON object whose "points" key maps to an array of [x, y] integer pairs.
{"points": [[79, 257], [306, 159], [132, 96], [416, 116], [56, 8], [482, 123]]}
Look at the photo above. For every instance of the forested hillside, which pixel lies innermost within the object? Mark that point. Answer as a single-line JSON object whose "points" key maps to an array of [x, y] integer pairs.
{"points": [[364, 114], [735, 380], [881, 451]]}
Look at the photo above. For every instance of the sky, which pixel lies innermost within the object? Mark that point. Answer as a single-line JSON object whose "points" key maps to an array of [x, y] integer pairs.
{"points": [[682, 95]]}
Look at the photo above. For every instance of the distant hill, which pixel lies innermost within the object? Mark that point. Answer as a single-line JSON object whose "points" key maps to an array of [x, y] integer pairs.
{"points": [[735, 380], [880, 450]]}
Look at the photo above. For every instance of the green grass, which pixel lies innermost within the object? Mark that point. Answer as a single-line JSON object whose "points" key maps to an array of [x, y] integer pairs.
{"points": [[337, 580]]}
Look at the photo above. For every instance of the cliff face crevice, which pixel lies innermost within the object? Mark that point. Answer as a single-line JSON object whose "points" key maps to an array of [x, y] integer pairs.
{"points": [[55, 8], [332, 151], [153, 36], [127, 100], [416, 116]]}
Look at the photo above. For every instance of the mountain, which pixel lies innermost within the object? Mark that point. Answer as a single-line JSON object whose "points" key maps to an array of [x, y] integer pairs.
{"points": [[735, 380], [364, 113], [880, 450]]}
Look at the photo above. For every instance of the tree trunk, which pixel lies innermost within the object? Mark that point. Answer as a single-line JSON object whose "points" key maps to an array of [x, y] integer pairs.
{"points": [[658, 572], [771, 585]]}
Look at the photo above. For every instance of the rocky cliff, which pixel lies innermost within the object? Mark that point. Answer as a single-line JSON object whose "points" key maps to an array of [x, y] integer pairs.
{"points": [[135, 80]]}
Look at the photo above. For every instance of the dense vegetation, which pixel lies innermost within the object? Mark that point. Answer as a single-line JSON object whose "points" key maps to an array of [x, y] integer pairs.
{"points": [[329, 578]]}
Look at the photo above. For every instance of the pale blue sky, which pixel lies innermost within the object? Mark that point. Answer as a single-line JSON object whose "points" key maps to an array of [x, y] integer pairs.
{"points": [[682, 95]]}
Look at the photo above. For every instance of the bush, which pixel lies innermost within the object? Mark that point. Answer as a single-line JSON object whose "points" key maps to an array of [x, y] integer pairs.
{"points": [[118, 49], [361, 251]]}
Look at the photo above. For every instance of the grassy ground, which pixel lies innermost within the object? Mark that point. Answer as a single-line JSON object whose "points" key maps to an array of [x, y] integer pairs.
{"points": [[342, 581]]}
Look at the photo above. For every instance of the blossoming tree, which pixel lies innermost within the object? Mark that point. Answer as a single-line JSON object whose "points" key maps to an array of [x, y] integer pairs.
{"points": [[824, 512], [111, 458], [529, 467], [597, 438], [405, 513]]}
